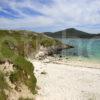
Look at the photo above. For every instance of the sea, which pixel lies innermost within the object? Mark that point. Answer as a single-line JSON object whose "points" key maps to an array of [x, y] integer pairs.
{"points": [[83, 48]]}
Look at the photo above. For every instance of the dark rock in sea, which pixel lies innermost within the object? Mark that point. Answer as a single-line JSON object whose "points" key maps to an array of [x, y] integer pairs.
{"points": [[60, 56], [74, 54]]}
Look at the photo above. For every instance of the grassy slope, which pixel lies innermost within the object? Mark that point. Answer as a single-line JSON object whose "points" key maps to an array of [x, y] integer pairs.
{"points": [[16, 46], [3, 85]]}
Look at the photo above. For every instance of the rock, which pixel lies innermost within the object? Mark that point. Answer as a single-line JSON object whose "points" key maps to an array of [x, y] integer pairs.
{"points": [[17, 89], [44, 73], [38, 88], [50, 51]]}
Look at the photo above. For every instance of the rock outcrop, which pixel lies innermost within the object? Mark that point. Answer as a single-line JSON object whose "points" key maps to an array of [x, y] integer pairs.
{"points": [[50, 51]]}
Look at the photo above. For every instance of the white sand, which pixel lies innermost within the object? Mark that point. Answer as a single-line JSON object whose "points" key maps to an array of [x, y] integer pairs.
{"points": [[67, 82]]}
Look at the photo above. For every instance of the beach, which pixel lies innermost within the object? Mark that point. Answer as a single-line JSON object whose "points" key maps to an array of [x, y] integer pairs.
{"points": [[61, 80]]}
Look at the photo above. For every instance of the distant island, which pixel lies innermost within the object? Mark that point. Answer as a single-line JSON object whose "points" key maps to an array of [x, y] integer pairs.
{"points": [[71, 33]]}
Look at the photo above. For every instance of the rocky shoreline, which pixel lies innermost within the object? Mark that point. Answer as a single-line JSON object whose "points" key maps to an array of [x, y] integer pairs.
{"points": [[43, 52]]}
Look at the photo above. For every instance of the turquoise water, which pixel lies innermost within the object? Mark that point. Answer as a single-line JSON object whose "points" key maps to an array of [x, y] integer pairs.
{"points": [[88, 48]]}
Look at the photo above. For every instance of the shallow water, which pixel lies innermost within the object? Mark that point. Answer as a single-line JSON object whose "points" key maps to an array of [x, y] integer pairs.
{"points": [[86, 48]]}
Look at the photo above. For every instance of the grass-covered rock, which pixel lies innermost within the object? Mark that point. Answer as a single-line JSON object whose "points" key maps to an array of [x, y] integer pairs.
{"points": [[3, 85], [25, 99], [16, 46]]}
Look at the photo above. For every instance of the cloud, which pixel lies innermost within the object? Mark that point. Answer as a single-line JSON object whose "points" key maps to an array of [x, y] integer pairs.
{"points": [[50, 15]]}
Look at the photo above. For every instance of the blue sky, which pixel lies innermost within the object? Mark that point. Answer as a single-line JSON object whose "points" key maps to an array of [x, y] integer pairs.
{"points": [[50, 15]]}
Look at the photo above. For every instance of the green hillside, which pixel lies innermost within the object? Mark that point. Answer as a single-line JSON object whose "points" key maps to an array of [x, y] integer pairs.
{"points": [[22, 42], [15, 47]]}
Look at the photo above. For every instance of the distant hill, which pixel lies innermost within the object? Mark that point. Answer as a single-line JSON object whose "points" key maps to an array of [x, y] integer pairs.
{"points": [[72, 33]]}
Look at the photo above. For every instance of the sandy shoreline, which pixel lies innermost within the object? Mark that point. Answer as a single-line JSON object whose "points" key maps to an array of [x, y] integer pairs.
{"points": [[67, 80]]}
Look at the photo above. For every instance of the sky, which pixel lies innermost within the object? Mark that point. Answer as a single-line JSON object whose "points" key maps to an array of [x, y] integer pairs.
{"points": [[50, 15]]}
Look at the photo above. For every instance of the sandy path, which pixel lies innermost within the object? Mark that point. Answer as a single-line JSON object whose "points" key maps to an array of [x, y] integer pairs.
{"points": [[65, 82]]}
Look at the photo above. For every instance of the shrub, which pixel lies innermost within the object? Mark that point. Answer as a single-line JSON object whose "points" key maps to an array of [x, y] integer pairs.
{"points": [[25, 99], [3, 84], [14, 77], [3, 96], [24, 69]]}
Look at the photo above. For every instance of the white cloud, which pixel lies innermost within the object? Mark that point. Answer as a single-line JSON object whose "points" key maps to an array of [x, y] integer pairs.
{"points": [[66, 13]]}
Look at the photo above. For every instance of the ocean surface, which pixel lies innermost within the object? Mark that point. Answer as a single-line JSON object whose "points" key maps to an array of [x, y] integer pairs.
{"points": [[86, 48]]}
